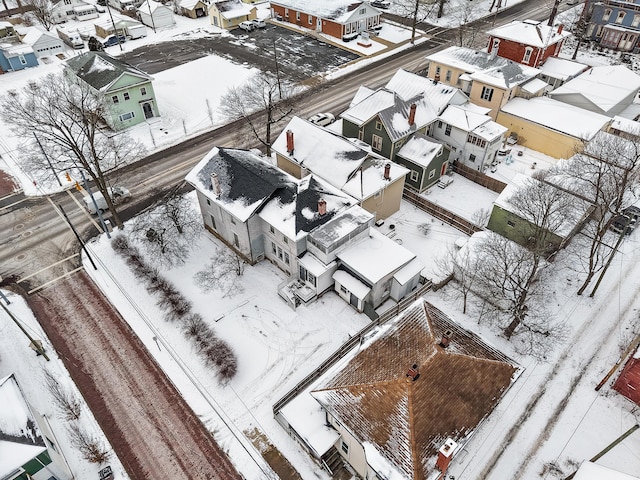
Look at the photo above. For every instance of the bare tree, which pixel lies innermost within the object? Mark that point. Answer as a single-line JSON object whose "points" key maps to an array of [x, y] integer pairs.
{"points": [[168, 229], [64, 398], [62, 123], [467, 31], [462, 265], [261, 102], [222, 273], [42, 10], [90, 446], [607, 172]]}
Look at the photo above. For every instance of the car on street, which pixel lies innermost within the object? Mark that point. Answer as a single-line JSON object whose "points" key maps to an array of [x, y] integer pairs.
{"points": [[322, 119], [118, 195], [621, 222], [113, 40], [247, 25], [381, 4], [259, 23]]}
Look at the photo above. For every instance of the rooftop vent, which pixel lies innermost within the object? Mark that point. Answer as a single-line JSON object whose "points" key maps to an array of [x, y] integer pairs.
{"points": [[413, 372], [446, 339]]}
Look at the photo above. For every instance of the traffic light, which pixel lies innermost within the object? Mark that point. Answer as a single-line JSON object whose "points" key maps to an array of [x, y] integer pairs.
{"points": [[78, 187], [68, 176]]}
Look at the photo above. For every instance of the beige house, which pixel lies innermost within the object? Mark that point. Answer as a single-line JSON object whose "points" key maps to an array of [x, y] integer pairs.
{"points": [[230, 13], [376, 182], [489, 81], [554, 128]]}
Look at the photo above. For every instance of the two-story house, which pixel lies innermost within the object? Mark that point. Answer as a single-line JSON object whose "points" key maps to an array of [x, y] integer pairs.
{"points": [[127, 91], [374, 181], [488, 79], [614, 24], [529, 42], [343, 19], [230, 13]]}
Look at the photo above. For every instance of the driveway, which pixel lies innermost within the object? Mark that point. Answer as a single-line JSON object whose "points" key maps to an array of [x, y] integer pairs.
{"points": [[299, 56]]}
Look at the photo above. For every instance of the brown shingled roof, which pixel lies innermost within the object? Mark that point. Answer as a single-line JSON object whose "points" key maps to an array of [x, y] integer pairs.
{"points": [[408, 421]]}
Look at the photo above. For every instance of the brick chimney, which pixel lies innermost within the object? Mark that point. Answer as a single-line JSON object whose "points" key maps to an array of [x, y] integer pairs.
{"points": [[413, 372], [445, 455], [560, 27], [322, 207], [446, 339], [215, 184], [412, 115], [290, 142], [387, 171]]}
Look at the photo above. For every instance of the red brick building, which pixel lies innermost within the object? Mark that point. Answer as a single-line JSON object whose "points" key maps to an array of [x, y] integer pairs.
{"points": [[341, 19], [528, 42]]}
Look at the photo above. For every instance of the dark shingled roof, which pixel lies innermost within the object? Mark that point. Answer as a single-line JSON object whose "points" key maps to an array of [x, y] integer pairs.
{"points": [[309, 193], [408, 421], [99, 69]]}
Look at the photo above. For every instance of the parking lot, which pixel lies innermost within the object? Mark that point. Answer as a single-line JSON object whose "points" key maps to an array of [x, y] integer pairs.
{"points": [[299, 56]]}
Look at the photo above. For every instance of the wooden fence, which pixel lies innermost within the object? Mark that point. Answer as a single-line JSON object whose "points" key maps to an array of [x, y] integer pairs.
{"points": [[479, 177], [456, 221]]}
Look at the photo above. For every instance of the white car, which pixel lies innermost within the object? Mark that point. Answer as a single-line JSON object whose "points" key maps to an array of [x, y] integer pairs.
{"points": [[259, 23], [322, 119], [247, 26]]}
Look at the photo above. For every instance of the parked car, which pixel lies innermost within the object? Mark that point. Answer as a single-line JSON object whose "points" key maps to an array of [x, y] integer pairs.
{"points": [[112, 40], [322, 119], [620, 222], [381, 4], [259, 23], [633, 212], [247, 25]]}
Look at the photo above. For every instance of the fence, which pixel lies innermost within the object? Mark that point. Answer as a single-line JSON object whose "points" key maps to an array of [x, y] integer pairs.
{"points": [[350, 344], [443, 214], [479, 177]]}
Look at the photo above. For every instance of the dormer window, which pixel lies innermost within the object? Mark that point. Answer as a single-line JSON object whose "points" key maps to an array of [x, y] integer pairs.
{"points": [[606, 15], [620, 17]]}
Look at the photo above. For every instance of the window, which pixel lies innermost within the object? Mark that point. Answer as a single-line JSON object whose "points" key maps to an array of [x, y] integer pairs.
{"points": [[606, 15], [344, 290], [378, 125], [620, 17], [344, 447], [285, 240], [126, 96], [437, 73], [271, 229], [432, 174], [115, 99], [280, 253], [143, 91], [286, 12], [126, 116], [310, 20], [23, 60], [53, 445], [213, 222], [599, 31], [363, 11], [496, 44], [208, 202], [376, 142], [361, 134], [414, 176], [527, 55], [233, 221], [298, 16], [447, 130], [447, 77], [472, 139], [487, 93], [636, 21], [439, 123], [273, 248], [472, 158], [236, 241], [286, 258]]}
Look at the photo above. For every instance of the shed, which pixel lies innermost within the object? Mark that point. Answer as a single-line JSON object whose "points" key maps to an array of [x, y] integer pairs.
{"points": [[156, 15], [194, 8], [16, 57]]}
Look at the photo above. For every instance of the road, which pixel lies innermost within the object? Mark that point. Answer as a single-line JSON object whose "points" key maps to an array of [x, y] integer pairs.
{"points": [[38, 247]]}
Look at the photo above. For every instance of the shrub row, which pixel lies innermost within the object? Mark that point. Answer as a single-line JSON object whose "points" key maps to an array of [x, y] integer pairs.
{"points": [[215, 352]]}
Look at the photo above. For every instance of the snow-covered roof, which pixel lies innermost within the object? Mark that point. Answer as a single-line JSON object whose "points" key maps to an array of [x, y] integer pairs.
{"points": [[338, 10], [369, 106], [467, 59], [603, 86], [351, 283], [530, 32], [362, 93], [151, 6], [375, 256], [231, 9], [592, 471], [400, 422], [314, 266], [100, 70], [15, 50], [409, 271], [559, 116], [189, 4], [561, 68], [535, 85], [420, 150], [344, 165], [468, 119], [409, 85], [507, 76], [20, 439], [632, 127], [342, 226]]}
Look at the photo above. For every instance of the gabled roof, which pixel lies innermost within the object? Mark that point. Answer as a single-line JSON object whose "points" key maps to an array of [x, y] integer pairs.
{"points": [[467, 59], [338, 10], [101, 71], [530, 32], [408, 85], [150, 7], [293, 210], [604, 86], [231, 9], [336, 160], [190, 4], [20, 438], [506, 76], [420, 150], [562, 68], [402, 423], [246, 181], [11, 51], [468, 119], [562, 117], [35, 34]]}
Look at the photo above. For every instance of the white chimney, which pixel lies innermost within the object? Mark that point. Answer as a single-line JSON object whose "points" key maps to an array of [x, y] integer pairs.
{"points": [[215, 184]]}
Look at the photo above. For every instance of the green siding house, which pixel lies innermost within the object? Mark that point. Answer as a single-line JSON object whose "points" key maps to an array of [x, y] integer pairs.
{"points": [[126, 91], [426, 158]]}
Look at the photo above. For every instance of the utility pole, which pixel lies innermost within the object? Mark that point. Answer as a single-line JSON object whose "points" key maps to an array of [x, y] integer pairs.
{"points": [[414, 22], [64, 214], [623, 233], [114, 26], [48, 159], [35, 344]]}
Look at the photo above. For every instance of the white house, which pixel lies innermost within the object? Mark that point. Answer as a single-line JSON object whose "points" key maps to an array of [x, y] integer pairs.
{"points": [[43, 44], [156, 15]]}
